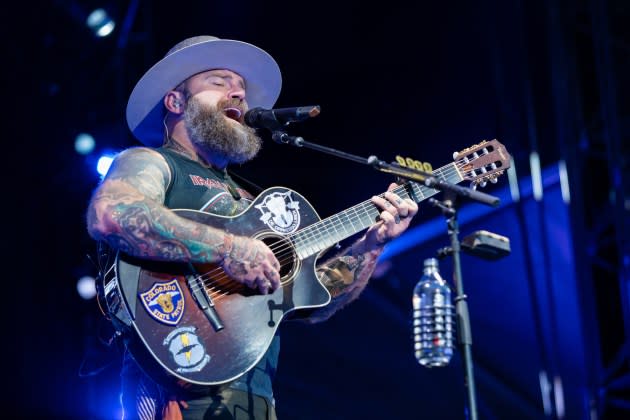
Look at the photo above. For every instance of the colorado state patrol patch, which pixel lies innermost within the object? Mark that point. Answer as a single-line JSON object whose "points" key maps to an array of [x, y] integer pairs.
{"points": [[164, 302]]}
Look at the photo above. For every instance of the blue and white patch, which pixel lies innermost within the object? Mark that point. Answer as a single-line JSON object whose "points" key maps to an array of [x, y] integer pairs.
{"points": [[164, 302], [280, 212], [186, 349]]}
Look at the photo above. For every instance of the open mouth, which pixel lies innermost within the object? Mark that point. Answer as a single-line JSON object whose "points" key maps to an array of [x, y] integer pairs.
{"points": [[233, 113]]}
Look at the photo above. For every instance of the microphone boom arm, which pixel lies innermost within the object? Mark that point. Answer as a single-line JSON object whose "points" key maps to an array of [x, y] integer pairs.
{"points": [[280, 136]]}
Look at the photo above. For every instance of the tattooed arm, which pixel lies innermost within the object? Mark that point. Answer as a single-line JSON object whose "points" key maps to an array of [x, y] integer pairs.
{"points": [[127, 211], [346, 275]]}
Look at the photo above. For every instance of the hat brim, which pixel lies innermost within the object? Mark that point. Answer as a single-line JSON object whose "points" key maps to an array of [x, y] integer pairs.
{"points": [[145, 109]]}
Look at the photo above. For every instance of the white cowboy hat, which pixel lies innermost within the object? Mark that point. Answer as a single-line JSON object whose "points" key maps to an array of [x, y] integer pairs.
{"points": [[145, 109]]}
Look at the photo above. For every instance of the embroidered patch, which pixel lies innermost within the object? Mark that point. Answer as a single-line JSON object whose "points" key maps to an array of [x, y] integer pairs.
{"points": [[280, 212], [164, 302], [186, 349]]}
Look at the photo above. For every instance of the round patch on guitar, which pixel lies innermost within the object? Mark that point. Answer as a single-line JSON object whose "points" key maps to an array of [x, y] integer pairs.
{"points": [[280, 212], [186, 349]]}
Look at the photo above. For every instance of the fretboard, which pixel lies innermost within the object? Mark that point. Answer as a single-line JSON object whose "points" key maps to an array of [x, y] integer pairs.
{"points": [[327, 232]]}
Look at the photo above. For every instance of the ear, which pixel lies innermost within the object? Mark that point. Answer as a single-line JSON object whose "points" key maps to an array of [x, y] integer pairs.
{"points": [[174, 102]]}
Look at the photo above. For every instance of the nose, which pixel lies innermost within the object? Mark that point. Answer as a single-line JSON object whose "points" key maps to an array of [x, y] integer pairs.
{"points": [[237, 92]]}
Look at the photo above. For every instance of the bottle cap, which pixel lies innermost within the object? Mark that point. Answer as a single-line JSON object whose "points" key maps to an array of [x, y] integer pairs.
{"points": [[431, 262]]}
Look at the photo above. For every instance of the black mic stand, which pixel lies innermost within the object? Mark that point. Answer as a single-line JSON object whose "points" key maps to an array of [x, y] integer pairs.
{"points": [[449, 209]]}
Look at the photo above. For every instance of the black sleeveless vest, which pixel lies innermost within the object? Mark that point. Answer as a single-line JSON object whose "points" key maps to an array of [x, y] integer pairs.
{"points": [[196, 187]]}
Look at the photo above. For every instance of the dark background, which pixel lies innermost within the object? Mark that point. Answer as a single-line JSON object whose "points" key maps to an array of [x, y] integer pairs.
{"points": [[418, 79]]}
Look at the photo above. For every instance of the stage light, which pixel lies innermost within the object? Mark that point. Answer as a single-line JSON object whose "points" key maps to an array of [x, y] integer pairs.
{"points": [[564, 182], [86, 286], [100, 23], [84, 143], [534, 163], [513, 181], [103, 164]]}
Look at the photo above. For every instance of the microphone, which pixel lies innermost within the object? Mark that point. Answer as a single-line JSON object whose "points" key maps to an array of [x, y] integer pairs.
{"points": [[274, 119]]}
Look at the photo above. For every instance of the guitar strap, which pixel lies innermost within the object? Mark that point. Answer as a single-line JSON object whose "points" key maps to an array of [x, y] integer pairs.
{"points": [[250, 186]]}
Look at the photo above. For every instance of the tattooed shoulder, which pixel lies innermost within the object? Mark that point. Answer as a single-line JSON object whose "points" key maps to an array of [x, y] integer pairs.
{"points": [[144, 169]]}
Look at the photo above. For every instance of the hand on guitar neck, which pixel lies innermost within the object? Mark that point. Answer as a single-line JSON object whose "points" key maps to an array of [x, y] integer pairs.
{"points": [[395, 217]]}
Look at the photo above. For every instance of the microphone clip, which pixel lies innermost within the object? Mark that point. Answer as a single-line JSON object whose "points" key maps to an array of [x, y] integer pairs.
{"points": [[282, 137]]}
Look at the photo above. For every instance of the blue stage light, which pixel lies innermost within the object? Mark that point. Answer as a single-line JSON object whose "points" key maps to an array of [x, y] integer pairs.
{"points": [[103, 164], [84, 143]]}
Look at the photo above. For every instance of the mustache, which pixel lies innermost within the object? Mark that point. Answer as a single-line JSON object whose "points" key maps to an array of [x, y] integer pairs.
{"points": [[231, 103]]}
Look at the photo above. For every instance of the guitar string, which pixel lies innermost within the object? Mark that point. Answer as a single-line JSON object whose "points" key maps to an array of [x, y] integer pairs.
{"points": [[218, 275], [281, 253], [290, 255], [315, 230], [213, 277], [208, 280]]}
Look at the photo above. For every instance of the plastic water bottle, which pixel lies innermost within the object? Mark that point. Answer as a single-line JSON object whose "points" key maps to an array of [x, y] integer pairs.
{"points": [[433, 320]]}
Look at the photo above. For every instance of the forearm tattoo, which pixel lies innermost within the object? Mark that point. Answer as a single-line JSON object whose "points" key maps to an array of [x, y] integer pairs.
{"points": [[126, 211], [145, 229], [345, 277], [347, 272]]}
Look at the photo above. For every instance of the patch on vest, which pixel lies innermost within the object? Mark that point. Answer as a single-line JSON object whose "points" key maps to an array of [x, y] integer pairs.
{"points": [[280, 212]]}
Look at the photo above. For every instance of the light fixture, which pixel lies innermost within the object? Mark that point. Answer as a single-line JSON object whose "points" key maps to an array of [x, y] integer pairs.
{"points": [[86, 287], [84, 143], [100, 23]]}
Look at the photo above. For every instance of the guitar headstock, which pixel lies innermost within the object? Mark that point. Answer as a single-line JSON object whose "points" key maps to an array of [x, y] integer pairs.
{"points": [[482, 162]]}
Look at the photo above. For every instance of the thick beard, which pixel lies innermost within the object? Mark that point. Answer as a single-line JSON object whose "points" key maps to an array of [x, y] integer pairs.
{"points": [[210, 130]]}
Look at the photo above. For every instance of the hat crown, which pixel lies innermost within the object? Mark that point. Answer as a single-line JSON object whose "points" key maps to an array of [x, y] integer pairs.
{"points": [[190, 41]]}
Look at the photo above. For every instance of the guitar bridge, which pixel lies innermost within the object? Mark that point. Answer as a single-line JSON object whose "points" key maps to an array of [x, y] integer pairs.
{"points": [[199, 293]]}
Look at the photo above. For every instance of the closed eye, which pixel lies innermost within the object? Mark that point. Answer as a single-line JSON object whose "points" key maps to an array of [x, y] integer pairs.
{"points": [[216, 80]]}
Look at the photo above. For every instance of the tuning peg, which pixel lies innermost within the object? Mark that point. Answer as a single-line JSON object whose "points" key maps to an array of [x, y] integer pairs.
{"points": [[455, 154], [494, 179], [473, 185], [483, 184]]}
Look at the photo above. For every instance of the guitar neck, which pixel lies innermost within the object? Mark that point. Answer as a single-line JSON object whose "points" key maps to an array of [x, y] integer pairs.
{"points": [[327, 232]]}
